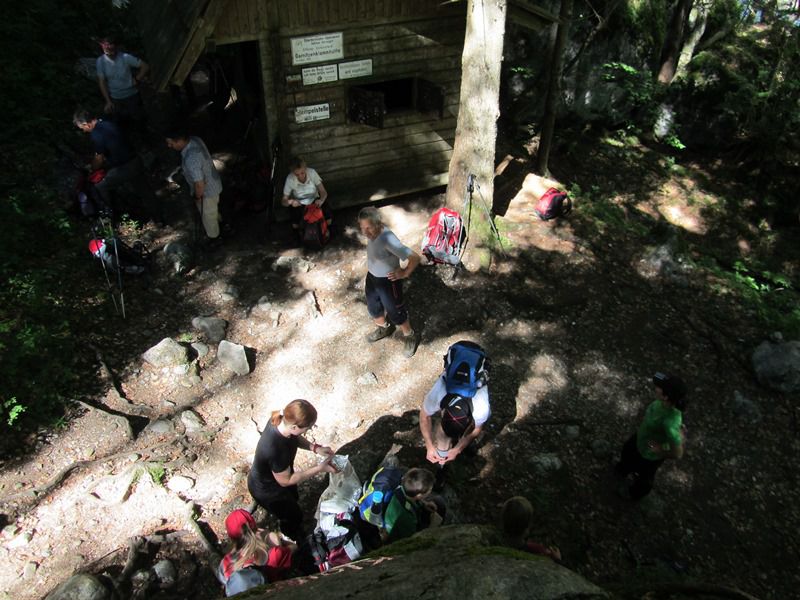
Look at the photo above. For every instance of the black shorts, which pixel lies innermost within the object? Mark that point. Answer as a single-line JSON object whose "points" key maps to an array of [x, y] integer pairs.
{"points": [[385, 297]]}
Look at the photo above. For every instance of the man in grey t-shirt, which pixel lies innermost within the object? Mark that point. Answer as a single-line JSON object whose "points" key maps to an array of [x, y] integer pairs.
{"points": [[384, 288], [202, 177]]}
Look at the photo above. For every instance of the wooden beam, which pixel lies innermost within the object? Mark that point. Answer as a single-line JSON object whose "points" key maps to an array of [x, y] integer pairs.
{"points": [[535, 10], [203, 29]]}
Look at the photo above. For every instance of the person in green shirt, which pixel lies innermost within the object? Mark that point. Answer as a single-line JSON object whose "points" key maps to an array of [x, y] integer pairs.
{"points": [[659, 436]]}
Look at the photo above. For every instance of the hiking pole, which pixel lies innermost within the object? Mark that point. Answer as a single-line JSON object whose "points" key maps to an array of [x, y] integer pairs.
{"points": [[467, 207], [108, 279], [485, 206], [119, 277]]}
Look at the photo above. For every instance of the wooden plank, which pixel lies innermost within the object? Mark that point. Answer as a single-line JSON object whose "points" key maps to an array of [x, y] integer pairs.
{"points": [[205, 27], [416, 132], [355, 156]]}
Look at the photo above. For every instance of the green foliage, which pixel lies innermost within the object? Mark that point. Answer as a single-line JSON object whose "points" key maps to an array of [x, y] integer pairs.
{"points": [[156, 473], [40, 91], [770, 297], [648, 24], [606, 216]]}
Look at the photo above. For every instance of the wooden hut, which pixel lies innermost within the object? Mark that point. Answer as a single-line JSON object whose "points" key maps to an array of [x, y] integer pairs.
{"points": [[367, 91]]}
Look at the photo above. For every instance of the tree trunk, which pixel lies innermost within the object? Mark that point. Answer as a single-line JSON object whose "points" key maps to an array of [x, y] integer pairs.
{"points": [[698, 18], [670, 51], [559, 40], [476, 129]]}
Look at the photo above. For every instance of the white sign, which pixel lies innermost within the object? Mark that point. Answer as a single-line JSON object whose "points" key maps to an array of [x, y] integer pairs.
{"points": [[356, 68], [317, 48], [312, 112], [323, 74]]}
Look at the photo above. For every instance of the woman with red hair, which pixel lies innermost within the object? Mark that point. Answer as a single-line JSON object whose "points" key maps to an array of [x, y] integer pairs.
{"points": [[272, 480]]}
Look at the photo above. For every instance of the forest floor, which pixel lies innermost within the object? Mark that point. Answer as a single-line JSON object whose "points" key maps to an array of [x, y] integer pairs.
{"points": [[576, 315]]}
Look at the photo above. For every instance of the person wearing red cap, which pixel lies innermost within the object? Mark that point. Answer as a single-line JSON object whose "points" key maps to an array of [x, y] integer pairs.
{"points": [[272, 480], [256, 558], [118, 75]]}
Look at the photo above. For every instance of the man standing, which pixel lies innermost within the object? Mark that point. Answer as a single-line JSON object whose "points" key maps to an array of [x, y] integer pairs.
{"points": [[114, 154], [658, 438], [202, 177], [384, 288], [118, 82]]}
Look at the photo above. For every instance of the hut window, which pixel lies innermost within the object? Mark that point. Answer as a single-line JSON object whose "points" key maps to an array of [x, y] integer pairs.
{"points": [[369, 103]]}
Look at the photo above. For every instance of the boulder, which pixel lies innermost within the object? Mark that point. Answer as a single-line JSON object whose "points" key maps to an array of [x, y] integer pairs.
{"points": [[212, 327], [407, 568], [180, 255], [167, 353], [777, 366], [192, 421], [234, 357], [80, 587]]}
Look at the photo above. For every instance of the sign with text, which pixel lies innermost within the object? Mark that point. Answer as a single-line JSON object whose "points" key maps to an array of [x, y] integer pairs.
{"points": [[312, 112], [323, 74], [356, 68], [317, 48]]}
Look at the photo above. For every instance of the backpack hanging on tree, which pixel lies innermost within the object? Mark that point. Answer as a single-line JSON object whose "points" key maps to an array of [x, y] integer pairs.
{"points": [[444, 237], [378, 493], [314, 229], [466, 368], [553, 204]]}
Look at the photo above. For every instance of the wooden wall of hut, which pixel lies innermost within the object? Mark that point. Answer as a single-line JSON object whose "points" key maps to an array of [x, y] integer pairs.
{"points": [[414, 44]]}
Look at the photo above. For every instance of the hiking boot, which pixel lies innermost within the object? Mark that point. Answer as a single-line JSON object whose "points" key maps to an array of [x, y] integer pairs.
{"points": [[380, 333], [410, 343]]}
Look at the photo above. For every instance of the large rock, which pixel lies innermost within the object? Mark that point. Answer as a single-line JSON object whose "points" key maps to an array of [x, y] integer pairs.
{"points": [[234, 357], [408, 568], [180, 255], [777, 366], [80, 587], [167, 353], [213, 328]]}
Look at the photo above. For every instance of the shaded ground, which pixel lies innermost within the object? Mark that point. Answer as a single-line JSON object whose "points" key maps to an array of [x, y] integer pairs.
{"points": [[577, 316]]}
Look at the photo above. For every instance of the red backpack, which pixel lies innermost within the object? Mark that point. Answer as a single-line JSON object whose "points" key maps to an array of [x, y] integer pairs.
{"points": [[315, 230], [552, 204], [444, 237]]}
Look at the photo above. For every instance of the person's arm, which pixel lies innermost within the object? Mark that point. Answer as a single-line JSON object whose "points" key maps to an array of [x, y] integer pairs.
{"points": [[314, 447], [287, 478], [463, 443], [323, 194], [144, 69], [287, 199], [425, 428], [199, 190], [101, 82], [97, 162], [403, 273]]}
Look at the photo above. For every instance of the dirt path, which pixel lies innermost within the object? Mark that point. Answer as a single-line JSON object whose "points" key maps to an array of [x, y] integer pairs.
{"points": [[575, 325]]}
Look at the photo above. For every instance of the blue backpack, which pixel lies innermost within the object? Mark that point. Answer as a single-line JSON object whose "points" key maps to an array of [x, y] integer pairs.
{"points": [[466, 368], [378, 493]]}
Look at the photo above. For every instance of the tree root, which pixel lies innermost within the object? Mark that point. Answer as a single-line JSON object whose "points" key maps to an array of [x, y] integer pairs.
{"points": [[59, 478]]}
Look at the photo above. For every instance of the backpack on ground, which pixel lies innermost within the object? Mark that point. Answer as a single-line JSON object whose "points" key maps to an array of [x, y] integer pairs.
{"points": [[466, 368], [552, 204], [328, 550], [444, 237], [456, 415], [378, 493], [132, 260], [314, 228]]}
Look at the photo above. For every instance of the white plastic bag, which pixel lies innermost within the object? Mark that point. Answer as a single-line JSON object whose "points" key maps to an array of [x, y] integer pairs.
{"points": [[343, 491]]}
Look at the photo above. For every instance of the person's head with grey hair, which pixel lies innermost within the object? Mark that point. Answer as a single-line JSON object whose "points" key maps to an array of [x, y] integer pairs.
{"points": [[370, 222], [83, 119]]}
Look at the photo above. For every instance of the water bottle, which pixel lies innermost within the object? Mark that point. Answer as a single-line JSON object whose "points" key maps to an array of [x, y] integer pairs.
{"points": [[377, 502]]}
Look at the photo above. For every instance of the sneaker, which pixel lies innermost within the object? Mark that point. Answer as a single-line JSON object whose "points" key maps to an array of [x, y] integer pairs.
{"points": [[380, 333], [410, 343]]}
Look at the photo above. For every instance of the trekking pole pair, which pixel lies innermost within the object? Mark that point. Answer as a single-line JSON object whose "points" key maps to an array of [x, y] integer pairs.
{"points": [[468, 192], [107, 228]]}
